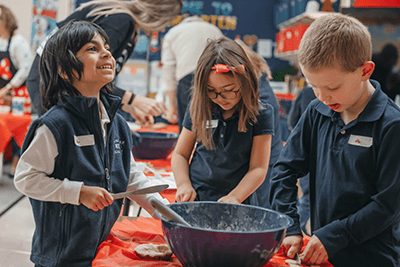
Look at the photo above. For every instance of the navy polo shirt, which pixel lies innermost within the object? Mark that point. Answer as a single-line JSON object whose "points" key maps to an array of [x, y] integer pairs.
{"points": [[214, 173], [354, 181]]}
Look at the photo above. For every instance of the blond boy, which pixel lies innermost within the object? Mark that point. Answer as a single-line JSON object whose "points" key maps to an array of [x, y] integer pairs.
{"points": [[347, 141]]}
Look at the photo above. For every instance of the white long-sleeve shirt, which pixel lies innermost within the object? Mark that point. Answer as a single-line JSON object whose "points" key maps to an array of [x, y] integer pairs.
{"points": [[182, 47], [32, 176], [21, 57]]}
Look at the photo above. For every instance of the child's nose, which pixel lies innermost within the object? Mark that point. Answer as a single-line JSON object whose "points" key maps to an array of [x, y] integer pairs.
{"points": [[107, 53], [322, 95]]}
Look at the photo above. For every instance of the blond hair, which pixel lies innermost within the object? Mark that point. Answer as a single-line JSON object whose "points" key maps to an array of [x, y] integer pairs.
{"points": [[10, 22], [259, 63], [335, 40], [223, 51], [150, 15]]}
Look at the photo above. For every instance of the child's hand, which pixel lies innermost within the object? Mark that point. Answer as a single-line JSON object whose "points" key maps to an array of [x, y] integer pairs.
{"points": [[292, 244], [315, 252], [95, 198], [171, 115], [229, 199], [185, 193]]}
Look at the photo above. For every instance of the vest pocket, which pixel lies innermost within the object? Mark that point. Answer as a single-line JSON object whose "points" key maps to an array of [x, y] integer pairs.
{"points": [[65, 225]]}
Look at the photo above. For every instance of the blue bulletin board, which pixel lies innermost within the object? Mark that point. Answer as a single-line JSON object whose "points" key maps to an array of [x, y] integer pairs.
{"points": [[251, 20]]}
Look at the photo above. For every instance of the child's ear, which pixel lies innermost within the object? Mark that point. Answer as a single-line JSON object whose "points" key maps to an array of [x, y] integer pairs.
{"points": [[367, 70], [62, 74]]}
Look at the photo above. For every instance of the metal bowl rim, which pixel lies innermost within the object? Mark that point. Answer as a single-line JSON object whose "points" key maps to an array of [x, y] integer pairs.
{"points": [[164, 220], [158, 135]]}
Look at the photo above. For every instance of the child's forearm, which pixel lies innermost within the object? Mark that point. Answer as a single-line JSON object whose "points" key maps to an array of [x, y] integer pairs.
{"points": [[180, 168], [250, 182], [32, 173]]}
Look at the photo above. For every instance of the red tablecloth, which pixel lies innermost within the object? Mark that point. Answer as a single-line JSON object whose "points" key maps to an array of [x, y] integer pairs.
{"points": [[118, 248], [169, 128], [13, 126]]}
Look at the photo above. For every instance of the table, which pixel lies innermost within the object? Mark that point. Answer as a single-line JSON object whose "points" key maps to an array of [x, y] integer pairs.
{"points": [[12, 126], [159, 163], [118, 248], [129, 232]]}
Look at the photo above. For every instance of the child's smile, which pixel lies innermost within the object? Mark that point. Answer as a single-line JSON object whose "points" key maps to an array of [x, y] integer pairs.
{"points": [[98, 66]]}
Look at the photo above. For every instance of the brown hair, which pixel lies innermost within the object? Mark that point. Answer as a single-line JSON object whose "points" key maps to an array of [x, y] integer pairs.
{"points": [[223, 51], [9, 19], [150, 15], [259, 63], [335, 40]]}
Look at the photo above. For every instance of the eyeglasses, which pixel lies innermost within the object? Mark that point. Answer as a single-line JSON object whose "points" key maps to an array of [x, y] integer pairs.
{"points": [[228, 95]]}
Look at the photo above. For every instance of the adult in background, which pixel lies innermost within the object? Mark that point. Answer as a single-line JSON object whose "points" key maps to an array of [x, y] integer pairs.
{"points": [[181, 49], [384, 63], [15, 57], [121, 20]]}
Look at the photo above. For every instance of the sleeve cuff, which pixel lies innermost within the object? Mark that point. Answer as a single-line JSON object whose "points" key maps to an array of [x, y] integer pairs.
{"points": [[72, 192], [332, 237]]}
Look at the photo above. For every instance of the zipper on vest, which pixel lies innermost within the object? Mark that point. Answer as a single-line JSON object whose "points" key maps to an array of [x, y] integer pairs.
{"points": [[62, 209], [108, 180]]}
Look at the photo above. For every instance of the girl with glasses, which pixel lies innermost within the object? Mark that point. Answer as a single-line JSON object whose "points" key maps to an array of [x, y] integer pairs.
{"points": [[223, 150]]}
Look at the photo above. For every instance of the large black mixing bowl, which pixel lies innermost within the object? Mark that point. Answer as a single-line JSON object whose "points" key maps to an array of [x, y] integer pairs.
{"points": [[153, 145], [224, 234]]}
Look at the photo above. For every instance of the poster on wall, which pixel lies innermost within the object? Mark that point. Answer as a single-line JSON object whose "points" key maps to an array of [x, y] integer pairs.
{"points": [[250, 21], [44, 18]]}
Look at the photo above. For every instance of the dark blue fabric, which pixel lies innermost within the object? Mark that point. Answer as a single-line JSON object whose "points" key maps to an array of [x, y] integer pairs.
{"points": [[66, 234], [214, 173], [267, 95], [183, 96], [303, 205], [300, 104], [5, 55], [303, 98], [353, 205]]}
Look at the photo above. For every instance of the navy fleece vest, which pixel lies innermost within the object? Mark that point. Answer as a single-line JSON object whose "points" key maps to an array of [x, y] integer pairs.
{"points": [[65, 234]]}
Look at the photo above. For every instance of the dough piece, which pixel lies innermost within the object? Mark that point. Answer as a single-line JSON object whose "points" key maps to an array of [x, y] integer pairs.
{"points": [[290, 261], [153, 252], [158, 125]]}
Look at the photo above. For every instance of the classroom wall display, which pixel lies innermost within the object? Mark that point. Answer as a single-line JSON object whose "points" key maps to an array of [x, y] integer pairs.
{"points": [[251, 21], [44, 19]]}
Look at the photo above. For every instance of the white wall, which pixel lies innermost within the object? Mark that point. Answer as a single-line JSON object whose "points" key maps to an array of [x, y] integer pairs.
{"points": [[22, 9]]}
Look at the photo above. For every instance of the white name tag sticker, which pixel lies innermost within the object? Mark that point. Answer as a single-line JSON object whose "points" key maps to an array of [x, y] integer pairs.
{"points": [[84, 140], [211, 124], [358, 140]]}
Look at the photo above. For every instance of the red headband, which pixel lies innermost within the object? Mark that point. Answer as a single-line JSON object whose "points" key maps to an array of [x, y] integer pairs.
{"points": [[223, 68]]}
